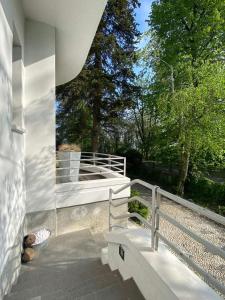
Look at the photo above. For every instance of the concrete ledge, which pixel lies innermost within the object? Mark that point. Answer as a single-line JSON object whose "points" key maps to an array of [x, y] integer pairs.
{"points": [[159, 275], [83, 192]]}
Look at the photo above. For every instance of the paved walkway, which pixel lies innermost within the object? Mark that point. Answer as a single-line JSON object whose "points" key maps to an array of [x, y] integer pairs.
{"points": [[70, 268]]}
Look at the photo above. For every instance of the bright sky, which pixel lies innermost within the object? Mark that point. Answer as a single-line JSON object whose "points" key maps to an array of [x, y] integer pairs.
{"points": [[142, 14]]}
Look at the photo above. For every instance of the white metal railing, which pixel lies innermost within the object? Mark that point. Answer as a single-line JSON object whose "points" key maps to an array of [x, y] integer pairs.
{"points": [[89, 164], [152, 188], [157, 194]]}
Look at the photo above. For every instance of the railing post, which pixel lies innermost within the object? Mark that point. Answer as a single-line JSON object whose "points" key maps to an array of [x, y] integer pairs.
{"points": [[124, 166], [94, 156], [110, 200], [109, 162], [158, 201], [153, 217]]}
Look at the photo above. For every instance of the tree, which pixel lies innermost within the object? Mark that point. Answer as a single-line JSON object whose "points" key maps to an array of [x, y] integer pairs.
{"points": [[145, 118], [106, 83], [197, 116], [189, 35], [192, 29]]}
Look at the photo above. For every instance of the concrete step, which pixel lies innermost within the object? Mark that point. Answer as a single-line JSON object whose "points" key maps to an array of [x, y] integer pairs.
{"points": [[92, 287], [113, 291], [57, 273], [70, 268], [66, 283]]}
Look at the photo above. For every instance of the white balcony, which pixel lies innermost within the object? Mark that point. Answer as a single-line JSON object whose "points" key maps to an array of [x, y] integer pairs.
{"points": [[88, 178]]}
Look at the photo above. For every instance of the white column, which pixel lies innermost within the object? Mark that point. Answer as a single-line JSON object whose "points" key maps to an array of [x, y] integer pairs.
{"points": [[39, 113]]}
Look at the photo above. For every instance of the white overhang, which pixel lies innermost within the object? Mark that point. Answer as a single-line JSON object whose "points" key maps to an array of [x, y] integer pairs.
{"points": [[76, 22]]}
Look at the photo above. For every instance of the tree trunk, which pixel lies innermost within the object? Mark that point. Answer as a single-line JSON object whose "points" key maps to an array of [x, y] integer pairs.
{"points": [[184, 165], [96, 109], [96, 126]]}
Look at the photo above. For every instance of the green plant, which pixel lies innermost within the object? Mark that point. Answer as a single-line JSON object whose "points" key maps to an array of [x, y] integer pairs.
{"points": [[137, 207], [208, 193]]}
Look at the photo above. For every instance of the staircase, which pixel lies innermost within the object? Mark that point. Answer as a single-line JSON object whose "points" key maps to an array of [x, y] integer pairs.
{"points": [[158, 274], [144, 254], [70, 268]]}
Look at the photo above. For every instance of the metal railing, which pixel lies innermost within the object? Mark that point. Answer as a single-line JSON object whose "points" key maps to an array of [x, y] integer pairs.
{"points": [[152, 188], [72, 167], [157, 213]]}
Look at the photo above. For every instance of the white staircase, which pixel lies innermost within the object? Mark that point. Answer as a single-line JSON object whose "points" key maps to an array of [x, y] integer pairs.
{"points": [[159, 274], [69, 268]]}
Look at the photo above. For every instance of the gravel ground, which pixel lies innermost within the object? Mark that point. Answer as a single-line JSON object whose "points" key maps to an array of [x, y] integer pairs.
{"points": [[204, 227]]}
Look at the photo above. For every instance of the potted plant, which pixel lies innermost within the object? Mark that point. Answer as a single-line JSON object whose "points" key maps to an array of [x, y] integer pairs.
{"points": [[69, 159]]}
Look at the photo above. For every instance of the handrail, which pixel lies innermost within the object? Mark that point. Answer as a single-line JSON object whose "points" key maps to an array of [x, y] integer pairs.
{"points": [[208, 278], [149, 186], [157, 193], [103, 154], [132, 215], [192, 206], [135, 181], [215, 250], [144, 202]]}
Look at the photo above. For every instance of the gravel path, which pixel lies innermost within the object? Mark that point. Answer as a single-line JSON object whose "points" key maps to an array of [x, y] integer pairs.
{"points": [[204, 227]]}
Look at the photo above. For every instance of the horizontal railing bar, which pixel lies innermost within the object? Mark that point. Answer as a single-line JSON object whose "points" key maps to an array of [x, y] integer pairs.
{"points": [[144, 202], [209, 278], [116, 168], [135, 181], [90, 166], [214, 249], [103, 154], [91, 154], [131, 215], [200, 210], [88, 159], [100, 165], [100, 173], [113, 161], [89, 174]]}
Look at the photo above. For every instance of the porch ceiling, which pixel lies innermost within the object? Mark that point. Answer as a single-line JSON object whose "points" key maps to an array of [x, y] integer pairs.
{"points": [[76, 22]]}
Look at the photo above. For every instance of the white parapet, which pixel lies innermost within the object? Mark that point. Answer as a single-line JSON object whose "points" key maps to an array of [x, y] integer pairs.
{"points": [[90, 191], [158, 274]]}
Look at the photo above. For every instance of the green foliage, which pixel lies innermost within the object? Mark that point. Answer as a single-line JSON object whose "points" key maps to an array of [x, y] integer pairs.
{"points": [[189, 29], [196, 114], [106, 84], [134, 157], [185, 45], [137, 207], [207, 193]]}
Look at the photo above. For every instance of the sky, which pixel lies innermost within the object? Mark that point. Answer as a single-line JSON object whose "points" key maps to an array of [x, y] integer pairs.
{"points": [[142, 14]]}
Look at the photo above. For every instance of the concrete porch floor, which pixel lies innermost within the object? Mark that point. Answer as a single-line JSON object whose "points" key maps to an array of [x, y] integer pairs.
{"points": [[69, 267]]}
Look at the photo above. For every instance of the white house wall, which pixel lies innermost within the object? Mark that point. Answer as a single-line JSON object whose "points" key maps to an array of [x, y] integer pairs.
{"points": [[39, 111], [76, 22], [27, 160], [12, 208]]}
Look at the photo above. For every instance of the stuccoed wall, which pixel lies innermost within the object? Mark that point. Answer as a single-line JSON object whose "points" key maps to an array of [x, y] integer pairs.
{"points": [[92, 216], [39, 114], [12, 208]]}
